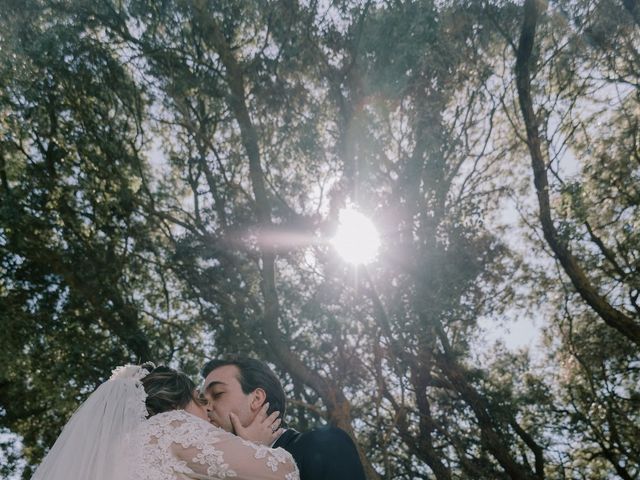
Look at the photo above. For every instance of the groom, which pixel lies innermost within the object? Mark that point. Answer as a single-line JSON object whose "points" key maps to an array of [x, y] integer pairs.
{"points": [[241, 385]]}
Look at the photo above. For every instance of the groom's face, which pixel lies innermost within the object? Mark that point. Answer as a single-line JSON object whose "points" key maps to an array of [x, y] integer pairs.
{"points": [[224, 395]]}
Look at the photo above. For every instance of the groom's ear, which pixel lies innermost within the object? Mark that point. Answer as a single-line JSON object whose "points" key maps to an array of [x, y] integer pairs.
{"points": [[259, 396]]}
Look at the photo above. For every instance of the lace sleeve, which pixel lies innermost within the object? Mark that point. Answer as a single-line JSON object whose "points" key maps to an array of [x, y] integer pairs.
{"points": [[211, 453]]}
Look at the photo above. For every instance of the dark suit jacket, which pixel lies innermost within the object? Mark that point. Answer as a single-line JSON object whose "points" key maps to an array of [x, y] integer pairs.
{"points": [[325, 453]]}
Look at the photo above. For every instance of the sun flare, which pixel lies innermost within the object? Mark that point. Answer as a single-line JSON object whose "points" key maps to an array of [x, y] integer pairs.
{"points": [[356, 240]]}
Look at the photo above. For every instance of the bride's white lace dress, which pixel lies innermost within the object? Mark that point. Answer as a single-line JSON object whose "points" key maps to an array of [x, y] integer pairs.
{"points": [[177, 445]]}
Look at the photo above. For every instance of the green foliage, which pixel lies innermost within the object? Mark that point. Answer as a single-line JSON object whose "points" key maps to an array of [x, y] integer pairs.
{"points": [[78, 254], [156, 158]]}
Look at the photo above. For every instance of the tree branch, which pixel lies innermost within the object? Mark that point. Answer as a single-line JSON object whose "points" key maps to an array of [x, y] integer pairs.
{"points": [[524, 55]]}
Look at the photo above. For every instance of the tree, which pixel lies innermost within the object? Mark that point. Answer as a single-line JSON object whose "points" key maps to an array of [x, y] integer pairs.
{"points": [[590, 240], [77, 255], [171, 174]]}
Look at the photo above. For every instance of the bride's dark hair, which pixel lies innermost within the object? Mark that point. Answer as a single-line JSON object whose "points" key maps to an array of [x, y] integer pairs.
{"points": [[167, 389]]}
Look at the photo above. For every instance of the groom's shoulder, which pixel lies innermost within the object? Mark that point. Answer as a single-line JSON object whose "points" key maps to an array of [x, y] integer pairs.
{"points": [[327, 439], [326, 435], [327, 453]]}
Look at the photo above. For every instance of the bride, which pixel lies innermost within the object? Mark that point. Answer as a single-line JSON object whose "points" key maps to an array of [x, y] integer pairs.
{"points": [[148, 423]]}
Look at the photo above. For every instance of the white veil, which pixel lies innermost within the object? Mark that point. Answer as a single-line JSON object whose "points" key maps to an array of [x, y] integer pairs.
{"points": [[94, 443]]}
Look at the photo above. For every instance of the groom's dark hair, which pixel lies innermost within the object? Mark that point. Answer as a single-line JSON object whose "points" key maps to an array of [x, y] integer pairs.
{"points": [[253, 374]]}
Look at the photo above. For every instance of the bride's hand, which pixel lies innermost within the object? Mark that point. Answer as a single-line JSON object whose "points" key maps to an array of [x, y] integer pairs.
{"points": [[263, 429]]}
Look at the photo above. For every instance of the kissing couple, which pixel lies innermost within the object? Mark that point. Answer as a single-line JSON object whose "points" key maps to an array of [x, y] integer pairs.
{"points": [[152, 423]]}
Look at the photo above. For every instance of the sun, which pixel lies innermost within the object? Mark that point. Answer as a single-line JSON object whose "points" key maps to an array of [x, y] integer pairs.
{"points": [[356, 240]]}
